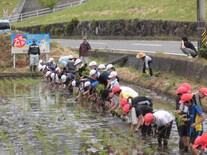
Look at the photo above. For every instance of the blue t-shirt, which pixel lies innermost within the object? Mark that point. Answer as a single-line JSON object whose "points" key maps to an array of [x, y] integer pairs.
{"points": [[193, 113]]}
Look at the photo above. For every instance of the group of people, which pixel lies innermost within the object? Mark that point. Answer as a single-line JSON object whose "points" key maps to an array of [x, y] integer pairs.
{"points": [[101, 84], [190, 117]]}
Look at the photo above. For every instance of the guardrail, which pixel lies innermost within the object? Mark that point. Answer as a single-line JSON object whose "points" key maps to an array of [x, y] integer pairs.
{"points": [[40, 12]]}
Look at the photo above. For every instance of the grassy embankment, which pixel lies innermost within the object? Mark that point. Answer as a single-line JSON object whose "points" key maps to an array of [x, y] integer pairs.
{"points": [[179, 10], [9, 5]]}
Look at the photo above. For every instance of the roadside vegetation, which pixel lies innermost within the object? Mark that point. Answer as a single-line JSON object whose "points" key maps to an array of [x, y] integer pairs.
{"points": [[9, 5], [178, 10]]}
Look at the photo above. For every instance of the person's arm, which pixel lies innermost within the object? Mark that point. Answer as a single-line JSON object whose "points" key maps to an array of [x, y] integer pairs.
{"points": [[140, 121], [202, 117], [29, 50]]}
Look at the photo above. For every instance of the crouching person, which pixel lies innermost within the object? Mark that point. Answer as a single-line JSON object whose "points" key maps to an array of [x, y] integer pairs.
{"points": [[137, 116], [162, 120]]}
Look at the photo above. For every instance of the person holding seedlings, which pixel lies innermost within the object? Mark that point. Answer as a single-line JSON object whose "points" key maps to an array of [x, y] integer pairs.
{"points": [[112, 82], [147, 62], [183, 127], [102, 75], [70, 65], [80, 68], [34, 53], [84, 51], [137, 116], [163, 121], [195, 117]]}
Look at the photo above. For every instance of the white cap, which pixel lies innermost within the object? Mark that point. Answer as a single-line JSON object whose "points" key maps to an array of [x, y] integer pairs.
{"points": [[51, 59], [92, 72], [70, 57], [87, 83], [47, 73], [73, 83], [63, 78], [112, 74], [77, 61], [41, 61], [109, 66], [92, 63], [57, 69], [101, 66]]}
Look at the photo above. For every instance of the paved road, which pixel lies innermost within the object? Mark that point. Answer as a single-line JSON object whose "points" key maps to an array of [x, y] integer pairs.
{"points": [[167, 47]]}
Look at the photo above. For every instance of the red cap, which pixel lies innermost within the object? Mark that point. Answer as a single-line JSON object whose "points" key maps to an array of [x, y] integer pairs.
{"points": [[181, 90], [116, 89], [186, 97], [148, 118], [126, 108], [123, 101], [187, 86], [204, 91], [201, 141]]}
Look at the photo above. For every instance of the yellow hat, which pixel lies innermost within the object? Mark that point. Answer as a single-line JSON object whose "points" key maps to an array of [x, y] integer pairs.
{"points": [[140, 55]]}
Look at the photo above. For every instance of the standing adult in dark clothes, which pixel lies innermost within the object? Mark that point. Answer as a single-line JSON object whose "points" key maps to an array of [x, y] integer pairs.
{"points": [[84, 51], [188, 48], [147, 62], [34, 53]]}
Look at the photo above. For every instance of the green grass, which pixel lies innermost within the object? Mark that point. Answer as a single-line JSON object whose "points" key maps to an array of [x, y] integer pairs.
{"points": [[179, 10], [9, 5]]}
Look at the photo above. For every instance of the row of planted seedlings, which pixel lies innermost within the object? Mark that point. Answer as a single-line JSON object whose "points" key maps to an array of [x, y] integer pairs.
{"points": [[39, 135]]}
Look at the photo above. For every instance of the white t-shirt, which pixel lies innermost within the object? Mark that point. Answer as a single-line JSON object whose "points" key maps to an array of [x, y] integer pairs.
{"points": [[163, 117]]}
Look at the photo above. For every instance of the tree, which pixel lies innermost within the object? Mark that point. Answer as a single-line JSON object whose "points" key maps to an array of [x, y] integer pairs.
{"points": [[48, 3]]}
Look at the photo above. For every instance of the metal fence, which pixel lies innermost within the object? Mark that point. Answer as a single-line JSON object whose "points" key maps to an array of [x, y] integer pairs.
{"points": [[23, 16]]}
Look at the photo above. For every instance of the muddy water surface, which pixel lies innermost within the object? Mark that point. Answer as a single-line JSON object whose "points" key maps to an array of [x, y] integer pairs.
{"points": [[37, 119]]}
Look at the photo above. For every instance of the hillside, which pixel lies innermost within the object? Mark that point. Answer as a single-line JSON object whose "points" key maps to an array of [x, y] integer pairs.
{"points": [[7, 4], [179, 10]]}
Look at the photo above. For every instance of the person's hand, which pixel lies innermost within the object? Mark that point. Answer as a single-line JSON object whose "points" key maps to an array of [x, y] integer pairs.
{"points": [[193, 125]]}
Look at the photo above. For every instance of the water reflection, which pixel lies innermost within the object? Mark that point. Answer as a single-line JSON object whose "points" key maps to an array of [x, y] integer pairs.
{"points": [[38, 119]]}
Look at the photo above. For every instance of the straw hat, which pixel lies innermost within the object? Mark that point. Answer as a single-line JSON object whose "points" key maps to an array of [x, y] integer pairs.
{"points": [[140, 55]]}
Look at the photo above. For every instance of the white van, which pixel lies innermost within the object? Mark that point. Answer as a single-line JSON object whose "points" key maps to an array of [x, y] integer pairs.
{"points": [[5, 26]]}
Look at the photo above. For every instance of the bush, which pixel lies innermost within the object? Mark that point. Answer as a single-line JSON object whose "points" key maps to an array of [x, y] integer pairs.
{"points": [[43, 29], [57, 31], [70, 26], [203, 51]]}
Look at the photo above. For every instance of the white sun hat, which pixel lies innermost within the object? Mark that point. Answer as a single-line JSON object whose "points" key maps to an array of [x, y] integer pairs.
{"points": [[87, 83], [92, 63], [92, 72], [70, 57], [41, 61], [109, 66], [63, 78], [77, 61], [112, 74], [101, 66], [57, 69], [51, 59]]}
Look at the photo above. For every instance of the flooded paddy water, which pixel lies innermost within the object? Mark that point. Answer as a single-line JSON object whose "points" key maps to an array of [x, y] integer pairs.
{"points": [[37, 119]]}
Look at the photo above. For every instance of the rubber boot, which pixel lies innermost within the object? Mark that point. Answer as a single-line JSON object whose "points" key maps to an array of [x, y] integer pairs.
{"points": [[35, 67], [159, 142], [30, 68], [165, 142]]}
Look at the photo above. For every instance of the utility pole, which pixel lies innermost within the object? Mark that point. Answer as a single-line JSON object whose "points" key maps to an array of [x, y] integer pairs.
{"points": [[201, 38]]}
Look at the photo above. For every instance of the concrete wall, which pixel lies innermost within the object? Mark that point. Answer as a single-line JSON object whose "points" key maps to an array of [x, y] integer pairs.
{"points": [[185, 68]]}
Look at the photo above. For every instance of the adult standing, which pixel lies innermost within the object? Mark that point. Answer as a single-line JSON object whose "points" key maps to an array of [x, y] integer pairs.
{"points": [[84, 51], [147, 62], [34, 53], [188, 48]]}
